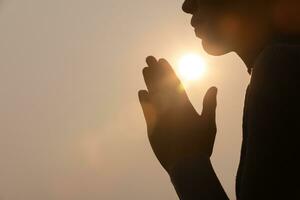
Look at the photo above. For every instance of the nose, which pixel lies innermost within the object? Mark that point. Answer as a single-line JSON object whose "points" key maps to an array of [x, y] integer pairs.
{"points": [[189, 6]]}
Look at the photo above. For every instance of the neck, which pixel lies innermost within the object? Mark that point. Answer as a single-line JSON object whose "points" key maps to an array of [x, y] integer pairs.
{"points": [[249, 58], [253, 41], [249, 55], [283, 27]]}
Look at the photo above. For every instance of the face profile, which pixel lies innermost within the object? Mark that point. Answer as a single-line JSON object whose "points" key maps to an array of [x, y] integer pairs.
{"points": [[212, 21], [225, 25]]}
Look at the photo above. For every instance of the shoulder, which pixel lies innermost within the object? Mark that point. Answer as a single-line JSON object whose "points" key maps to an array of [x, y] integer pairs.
{"points": [[275, 83], [278, 59], [277, 66], [277, 52]]}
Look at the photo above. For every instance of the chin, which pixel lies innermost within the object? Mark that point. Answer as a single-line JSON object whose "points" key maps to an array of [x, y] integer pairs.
{"points": [[214, 49]]}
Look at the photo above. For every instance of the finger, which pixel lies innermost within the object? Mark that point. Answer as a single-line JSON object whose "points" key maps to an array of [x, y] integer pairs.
{"points": [[166, 66], [210, 104], [153, 75], [150, 78], [159, 96], [171, 82], [170, 78], [151, 61], [148, 108]]}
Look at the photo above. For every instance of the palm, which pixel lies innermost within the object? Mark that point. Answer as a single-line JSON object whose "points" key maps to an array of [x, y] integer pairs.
{"points": [[175, 129]]}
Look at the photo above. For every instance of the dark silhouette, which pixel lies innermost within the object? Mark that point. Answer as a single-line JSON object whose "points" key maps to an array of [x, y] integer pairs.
{"points": [[266, 35]]}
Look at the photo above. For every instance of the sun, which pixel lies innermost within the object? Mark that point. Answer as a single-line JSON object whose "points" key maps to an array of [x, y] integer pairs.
{"points": [[191, 67]]}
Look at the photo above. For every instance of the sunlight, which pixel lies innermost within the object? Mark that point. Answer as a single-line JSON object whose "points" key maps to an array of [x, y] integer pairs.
{"points": [[191, 67]]}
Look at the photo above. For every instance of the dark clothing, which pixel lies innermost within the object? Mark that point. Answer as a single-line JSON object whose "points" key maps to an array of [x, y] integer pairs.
{"points": [[271, 129]]}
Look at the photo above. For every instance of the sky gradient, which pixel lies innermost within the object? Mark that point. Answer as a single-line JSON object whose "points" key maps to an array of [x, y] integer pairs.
{"points": [[71, 127]]}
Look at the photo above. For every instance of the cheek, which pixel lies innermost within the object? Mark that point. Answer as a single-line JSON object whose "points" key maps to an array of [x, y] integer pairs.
{"points": [[229, 27], [223, 28], [221, 36], [222, 33]]}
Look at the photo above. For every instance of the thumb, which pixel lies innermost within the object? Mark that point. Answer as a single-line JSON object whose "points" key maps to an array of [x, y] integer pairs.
{"points": [[148, 108], [210, 104]]}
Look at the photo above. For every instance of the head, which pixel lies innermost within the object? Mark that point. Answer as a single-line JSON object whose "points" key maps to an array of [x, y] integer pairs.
{"points": [[243, 26]]}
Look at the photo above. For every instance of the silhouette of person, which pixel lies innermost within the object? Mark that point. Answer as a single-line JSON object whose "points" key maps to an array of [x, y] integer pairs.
{"points": [[265, 34]]}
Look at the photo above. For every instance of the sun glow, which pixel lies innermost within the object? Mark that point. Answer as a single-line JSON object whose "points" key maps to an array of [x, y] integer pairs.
{"points": [[191, 67]]}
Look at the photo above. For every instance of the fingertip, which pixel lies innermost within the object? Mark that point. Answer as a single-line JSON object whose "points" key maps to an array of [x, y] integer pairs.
{"points": [[163, 61], [151, 60], [165, 64], [145, 70], [150, 57], [143, 92], [143, 95], [148, 108], [213, 90], [147, 73]]}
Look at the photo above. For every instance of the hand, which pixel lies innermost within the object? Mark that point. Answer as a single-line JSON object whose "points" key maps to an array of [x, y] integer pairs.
{"points": [[175, 130]]}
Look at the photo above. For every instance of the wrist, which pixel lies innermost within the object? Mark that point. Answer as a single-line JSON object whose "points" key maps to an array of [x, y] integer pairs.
{"points": [[194, 178], [189, 165]]}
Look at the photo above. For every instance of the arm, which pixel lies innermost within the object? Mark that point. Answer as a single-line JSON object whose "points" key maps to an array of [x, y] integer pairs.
{"points": [[181, 139]]}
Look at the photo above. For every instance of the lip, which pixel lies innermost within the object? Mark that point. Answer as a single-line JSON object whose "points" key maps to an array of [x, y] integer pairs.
{"points": [[194, 21], [198, 33], [198, 26], [197, 20]]}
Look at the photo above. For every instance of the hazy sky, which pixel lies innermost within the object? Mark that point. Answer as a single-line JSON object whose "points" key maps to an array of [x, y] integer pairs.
{"points": [[71, 127]]}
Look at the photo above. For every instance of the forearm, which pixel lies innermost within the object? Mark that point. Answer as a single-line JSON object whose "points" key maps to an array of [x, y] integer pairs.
{"points": [[195, 179]]}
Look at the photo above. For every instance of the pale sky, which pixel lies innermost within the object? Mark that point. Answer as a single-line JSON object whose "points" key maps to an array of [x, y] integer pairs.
{"points": [[71, 127]]}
